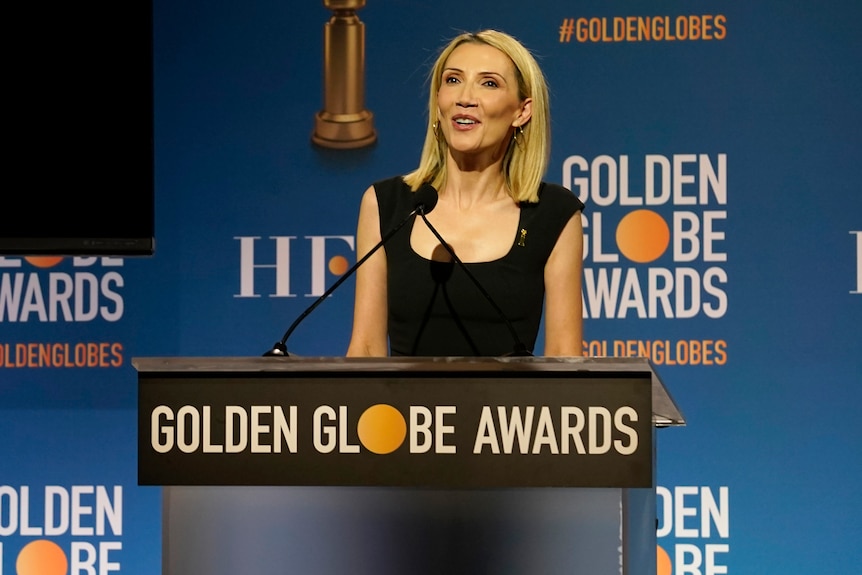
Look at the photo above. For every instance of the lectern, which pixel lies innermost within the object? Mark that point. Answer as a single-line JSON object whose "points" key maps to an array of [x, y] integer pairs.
{"points": [[384, 466]]}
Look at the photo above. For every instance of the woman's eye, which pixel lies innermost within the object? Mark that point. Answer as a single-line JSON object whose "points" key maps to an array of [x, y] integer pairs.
{"points": [[451, 80], [490, 83]]}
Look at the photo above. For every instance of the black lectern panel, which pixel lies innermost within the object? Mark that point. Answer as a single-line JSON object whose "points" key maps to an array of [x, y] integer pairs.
{"points": [[403, 465], [416, 429]]}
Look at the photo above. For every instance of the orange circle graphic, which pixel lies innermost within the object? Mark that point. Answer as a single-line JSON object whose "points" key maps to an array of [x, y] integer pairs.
{"points": [[643, 236], [338, 265], [663, 564], [43, 261], [382, 429], [41, 557]]}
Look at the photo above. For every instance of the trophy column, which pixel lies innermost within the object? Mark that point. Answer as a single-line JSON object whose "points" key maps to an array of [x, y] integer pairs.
{"points": [[344, 122]]}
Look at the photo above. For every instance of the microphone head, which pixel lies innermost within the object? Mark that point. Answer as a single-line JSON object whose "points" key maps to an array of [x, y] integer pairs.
{"points": [[425, 199]]}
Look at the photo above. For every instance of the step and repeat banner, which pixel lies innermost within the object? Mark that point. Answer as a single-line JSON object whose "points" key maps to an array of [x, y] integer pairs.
{"points": [[717, 146]]}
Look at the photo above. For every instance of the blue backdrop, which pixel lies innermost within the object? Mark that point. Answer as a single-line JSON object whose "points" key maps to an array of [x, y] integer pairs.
{"points": [[718, 148]]}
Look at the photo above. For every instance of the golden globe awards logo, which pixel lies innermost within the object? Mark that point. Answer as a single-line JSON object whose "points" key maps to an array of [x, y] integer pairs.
{"points": [[693, 529], [56, 289], [92, 515], [654, 233], [694, 187], [565, 428], [382, 429], [53, 290]]}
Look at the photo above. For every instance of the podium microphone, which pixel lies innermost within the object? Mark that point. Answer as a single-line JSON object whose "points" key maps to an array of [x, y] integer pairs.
{"points": [[424, 201], [520, 350]]}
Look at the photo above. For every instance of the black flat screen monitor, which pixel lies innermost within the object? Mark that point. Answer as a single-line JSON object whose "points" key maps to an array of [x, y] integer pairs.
{"points": [[80, 161]]}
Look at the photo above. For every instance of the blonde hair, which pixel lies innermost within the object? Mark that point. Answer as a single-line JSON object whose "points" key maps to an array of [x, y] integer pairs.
{"points": [[526, 160]]}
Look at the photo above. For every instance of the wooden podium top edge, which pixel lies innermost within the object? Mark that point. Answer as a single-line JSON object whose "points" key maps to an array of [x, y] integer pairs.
{"points": [[338, 363]]}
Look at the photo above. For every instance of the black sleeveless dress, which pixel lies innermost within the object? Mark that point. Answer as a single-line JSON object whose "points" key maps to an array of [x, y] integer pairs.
{"points": [[435, 309]]}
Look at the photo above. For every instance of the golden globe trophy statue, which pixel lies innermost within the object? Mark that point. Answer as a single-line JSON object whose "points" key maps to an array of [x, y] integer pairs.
{"points": [[344, 122]]}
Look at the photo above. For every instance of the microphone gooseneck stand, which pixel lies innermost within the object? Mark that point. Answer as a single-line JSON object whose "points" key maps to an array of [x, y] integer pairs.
{"points": [[424, 202]]}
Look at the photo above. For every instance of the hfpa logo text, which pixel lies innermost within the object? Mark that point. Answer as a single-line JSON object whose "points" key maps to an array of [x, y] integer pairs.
{"points": [[269, 261]]}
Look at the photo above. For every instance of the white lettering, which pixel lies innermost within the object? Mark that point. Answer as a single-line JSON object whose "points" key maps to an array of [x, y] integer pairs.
{"points": [[545, 434], [621, 417], [679, 293], [208, 446], [67, 297], [657, 170], [318, 261], [420, 429], [324, 435], [268, 429], [515, 427], [188, 429], [82, 510], [236, 429], [523, 433], [247, 266], [440, 412], [604, 181], [675, 508], [573, 432], [344, 444], [487, 433], [689, 559], [599, 419], [56, 516]]}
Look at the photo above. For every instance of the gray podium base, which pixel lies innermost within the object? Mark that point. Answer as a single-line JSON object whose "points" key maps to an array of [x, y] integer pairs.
{"points": [[399, 531]]}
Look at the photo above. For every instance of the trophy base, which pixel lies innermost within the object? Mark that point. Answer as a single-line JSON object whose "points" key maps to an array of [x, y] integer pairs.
{"points": [[344, 131]]}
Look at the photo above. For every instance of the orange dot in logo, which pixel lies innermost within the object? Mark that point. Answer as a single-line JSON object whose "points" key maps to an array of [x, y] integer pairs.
{"points": [[382, 429], [642, 236], [338, 265], [44, 261], [41, 557], [663, 564]]}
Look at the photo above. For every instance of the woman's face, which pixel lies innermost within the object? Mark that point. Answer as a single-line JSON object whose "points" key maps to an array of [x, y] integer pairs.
{"points": [[478, 102]]}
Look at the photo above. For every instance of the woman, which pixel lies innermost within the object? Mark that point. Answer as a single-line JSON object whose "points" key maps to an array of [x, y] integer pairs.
{"points": [[486, 150]]}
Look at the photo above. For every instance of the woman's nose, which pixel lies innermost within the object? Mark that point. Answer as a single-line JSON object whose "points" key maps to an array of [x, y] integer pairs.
{"points": [[466, 98]]}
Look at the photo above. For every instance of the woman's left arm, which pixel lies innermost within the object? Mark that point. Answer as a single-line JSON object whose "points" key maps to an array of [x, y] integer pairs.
{"points": [[563, 305]]}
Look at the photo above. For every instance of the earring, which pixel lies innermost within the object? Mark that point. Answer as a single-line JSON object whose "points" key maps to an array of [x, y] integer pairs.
{"points": [[518, 135], [434, 129]]}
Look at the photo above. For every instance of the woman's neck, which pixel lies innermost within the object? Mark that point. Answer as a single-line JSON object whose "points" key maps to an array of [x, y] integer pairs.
{"points": [[476, 185]]}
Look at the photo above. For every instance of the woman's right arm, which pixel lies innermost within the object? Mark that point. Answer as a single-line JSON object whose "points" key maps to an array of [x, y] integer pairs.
{"points": [[369, 337]]}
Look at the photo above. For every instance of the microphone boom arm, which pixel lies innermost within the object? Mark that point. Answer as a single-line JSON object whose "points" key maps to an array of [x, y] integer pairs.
{"points": [[280, 347]]}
